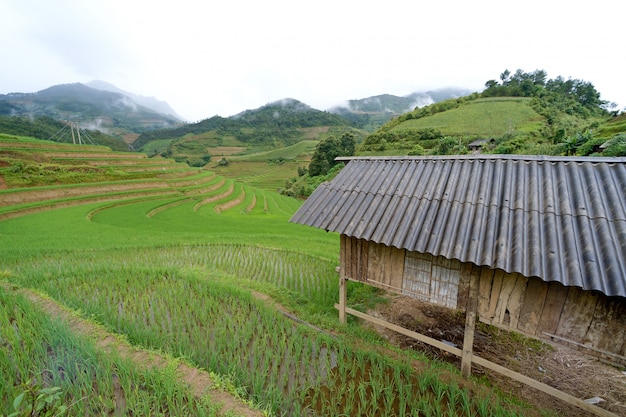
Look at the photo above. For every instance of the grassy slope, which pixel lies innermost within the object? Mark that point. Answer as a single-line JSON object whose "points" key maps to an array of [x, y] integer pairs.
{"points": [[301, 149], [510, 121], [268, 170], [482, 118]]}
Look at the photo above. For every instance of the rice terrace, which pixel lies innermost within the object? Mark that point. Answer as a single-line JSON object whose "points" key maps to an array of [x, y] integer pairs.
{"points": [[141, 286]]}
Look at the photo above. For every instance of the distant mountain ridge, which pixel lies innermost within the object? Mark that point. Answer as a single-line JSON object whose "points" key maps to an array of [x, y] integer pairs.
{"points": [[99, 105], [107, 111], [371, 112], [400, 104], [158, 106], [280, 120]]}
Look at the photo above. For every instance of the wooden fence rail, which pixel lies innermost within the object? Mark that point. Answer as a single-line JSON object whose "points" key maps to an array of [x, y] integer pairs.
{"points": [[483, 362]]}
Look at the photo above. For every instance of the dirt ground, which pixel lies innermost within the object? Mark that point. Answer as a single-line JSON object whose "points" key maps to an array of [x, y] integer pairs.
{"points": [[568, 370]]}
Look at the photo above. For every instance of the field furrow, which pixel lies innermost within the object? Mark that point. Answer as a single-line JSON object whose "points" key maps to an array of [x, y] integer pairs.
{"points": [[197, 380]]}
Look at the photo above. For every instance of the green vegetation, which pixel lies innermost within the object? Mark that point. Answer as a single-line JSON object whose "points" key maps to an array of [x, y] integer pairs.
{"points": [[275, 133], [322, 166], [273, 125], [182, 260], [523, 113], [372, 112], [47, 128], [26, 162], [112, 112], [47, 370], [327, 150], [269, 176], [302, 149], [179, 274]]}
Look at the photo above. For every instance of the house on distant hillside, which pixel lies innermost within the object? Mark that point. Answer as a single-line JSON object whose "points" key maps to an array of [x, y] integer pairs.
{"points": [[478, 145], [543, 238]]}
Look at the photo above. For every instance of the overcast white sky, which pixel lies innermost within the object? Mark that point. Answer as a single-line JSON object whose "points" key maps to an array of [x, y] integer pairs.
{"points": [[222, 57]]}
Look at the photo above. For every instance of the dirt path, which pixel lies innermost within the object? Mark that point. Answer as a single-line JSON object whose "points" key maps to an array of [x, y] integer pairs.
{"points": [[198, 380]]}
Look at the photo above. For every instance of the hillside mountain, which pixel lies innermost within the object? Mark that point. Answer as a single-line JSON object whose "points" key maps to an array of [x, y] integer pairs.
{"points": [[276, 124], [152, 103], [524, 113], [109, 112], [371, 112]]}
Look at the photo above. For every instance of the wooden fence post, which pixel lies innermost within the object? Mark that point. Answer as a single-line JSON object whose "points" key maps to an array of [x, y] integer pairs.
{"points": [[470, 325], [342, 299]]}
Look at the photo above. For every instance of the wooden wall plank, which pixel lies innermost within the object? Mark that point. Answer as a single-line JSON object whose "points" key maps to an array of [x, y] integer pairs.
{"points": [[374, 263], [385, 259], [468, 270], [516, 300], [552, 308], [577, 314], [358, 259], [364, 258], [502, 315], [496, 289], [608, 326], [352, 262], [348, 258], [397, 271], [484, 297], [343, 273], [530, 313]]}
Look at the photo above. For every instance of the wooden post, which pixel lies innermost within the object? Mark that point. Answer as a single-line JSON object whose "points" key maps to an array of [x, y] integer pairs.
{"points": [[470, 324], [343, 282]]}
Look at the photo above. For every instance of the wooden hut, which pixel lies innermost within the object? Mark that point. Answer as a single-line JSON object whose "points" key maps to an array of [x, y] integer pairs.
{"points": [[542, 240]]}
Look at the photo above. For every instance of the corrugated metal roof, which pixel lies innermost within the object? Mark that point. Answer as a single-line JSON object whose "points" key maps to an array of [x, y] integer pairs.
{"points": [[556, 218]]}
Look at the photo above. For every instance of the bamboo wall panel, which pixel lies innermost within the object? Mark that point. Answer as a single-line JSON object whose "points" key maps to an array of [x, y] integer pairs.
{"points": [[417, 275], [434, 279], [444, 285]]}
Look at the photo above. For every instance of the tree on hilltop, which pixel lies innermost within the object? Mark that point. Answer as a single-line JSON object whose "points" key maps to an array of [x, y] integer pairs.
{"points": [[327, 150]]}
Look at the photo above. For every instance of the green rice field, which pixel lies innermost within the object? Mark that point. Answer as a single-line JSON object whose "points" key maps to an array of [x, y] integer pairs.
{"points": [[195, 266]]}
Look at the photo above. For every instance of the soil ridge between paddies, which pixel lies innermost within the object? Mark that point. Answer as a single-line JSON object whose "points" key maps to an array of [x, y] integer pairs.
{"points": [[198, 380]]}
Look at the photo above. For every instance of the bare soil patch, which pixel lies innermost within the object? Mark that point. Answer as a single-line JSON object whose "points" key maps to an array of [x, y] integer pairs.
{"points": [[561, 367]]}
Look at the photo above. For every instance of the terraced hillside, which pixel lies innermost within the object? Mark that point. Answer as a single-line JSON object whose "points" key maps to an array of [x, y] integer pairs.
{"points": [[89, 174]]}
